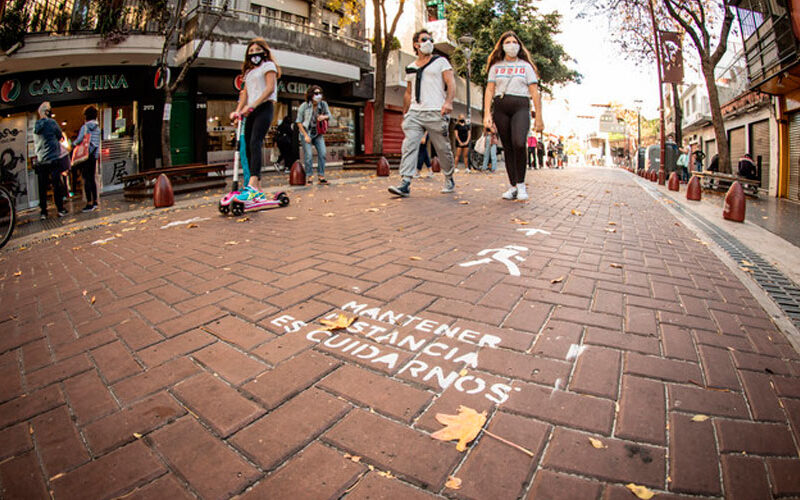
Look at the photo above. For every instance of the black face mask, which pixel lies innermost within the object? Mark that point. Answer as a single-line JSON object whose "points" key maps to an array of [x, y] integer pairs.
{"points": [[461, 122], [256, 58]]}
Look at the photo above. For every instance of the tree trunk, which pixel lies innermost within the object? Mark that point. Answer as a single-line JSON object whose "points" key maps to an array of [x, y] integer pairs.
{"points": [[676, 105], [166, 154], [380, 101], [716, 118]]}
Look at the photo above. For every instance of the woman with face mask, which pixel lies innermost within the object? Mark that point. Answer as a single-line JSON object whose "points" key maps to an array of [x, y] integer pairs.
{"points": [[512, 84], [312, 120], [256, 104]]}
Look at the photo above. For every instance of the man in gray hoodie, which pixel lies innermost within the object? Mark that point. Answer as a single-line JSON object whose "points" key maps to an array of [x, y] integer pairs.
{"points": [[47, 135]]}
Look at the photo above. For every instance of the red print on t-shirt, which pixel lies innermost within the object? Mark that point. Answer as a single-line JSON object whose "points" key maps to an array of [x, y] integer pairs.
{"points": [[511, 70]]}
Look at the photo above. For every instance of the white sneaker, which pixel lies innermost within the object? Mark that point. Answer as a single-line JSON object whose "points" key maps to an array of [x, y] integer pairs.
{"points": [[522, 193], [511, 194]]}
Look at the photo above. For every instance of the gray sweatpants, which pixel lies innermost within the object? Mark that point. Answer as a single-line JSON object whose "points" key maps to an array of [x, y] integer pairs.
{"points": [[415, 124]]}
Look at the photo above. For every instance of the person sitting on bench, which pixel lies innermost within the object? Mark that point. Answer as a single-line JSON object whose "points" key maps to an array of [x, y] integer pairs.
{"points": [[747, 168]]}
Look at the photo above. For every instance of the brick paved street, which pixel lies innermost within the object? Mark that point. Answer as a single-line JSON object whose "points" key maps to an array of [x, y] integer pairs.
{"points": [[187, 360]]}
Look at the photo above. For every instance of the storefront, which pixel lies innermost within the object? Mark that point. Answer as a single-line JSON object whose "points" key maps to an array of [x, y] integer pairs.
{"points": [[794, 156], [217, 96], [115, 92]]}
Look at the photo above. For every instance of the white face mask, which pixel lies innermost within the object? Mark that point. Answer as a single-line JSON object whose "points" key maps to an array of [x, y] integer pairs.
{"points": [[511, 49], [317, 98], [426, 47]]}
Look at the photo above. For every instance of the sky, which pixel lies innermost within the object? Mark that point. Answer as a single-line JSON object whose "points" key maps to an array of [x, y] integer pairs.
{"points": [[607, 75]]}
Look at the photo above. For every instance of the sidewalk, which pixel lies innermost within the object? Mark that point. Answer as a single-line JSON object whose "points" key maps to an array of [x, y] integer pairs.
{"points": [[163, 358]]}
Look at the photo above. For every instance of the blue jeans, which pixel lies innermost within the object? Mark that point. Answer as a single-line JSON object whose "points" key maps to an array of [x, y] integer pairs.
{"points": [[490, 151], [318, 142]]}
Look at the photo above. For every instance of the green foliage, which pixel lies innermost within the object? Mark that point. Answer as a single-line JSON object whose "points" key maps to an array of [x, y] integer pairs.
{"points": [[13, 25], [486, 20]]}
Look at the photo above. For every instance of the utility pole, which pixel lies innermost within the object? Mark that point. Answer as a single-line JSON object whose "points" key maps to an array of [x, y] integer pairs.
{"points": [[661, 172]]}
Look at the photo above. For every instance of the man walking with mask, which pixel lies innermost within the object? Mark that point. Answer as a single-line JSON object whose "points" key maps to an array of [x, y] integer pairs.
{"points": [[427, 105]]}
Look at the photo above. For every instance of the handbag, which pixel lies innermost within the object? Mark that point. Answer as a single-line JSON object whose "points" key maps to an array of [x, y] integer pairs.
{"points": [[322, 125], [480, 144], [80, 153]]}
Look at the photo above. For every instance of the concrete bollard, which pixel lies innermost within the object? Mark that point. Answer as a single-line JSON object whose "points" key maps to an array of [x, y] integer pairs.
{"points": [[383, 167], [674, 183], [735, 204], [163, 195], [693, 190], [297, 174]]}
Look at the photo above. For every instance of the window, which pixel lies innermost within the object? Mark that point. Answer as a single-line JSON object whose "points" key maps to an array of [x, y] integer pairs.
{"points": [[751, 16]]}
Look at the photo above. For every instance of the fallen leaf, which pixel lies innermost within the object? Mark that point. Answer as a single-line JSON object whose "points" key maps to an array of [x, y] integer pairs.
{"points": [[18, 273], [700, 418], [576, 212], [597, 443], [329, 214], [557, 280], [615, 265], [612, 223], [414, 257], [92, 300], [463, 372], [243, 219], [747, 263], [76, 248], [85, 293], [137, 435], [291, 218], [191, 226], [464, 427], [57, 476], [231, 242], [640, 491], [611, 230], [463, 202], [373, 209], [453, 483], [341, 321], [520, 221]]}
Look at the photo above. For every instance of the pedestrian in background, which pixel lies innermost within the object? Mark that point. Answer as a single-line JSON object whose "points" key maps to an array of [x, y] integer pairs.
{"points": [[532, 142], [491, 150], [699, 156], [683, 164], [747, 168], [89, 166], [427, 104], [512, 84], [312, 120], [283, 140], [463, 136], [256, 104], [46, 138], [423, 158]]}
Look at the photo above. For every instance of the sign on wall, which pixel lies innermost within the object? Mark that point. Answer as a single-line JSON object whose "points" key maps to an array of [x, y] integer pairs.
{"points": [[13, 164]]}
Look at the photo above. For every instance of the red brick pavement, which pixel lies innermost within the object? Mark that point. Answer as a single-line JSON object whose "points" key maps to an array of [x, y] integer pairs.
{"points": [[169, 363]]}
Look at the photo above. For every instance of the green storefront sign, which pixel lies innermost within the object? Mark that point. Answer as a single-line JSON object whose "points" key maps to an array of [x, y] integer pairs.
{"points": [[34, 88]]}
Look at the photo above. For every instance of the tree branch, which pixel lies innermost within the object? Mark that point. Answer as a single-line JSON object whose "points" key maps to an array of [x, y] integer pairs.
{"points": [[390, 34], [188, 62], [688, 29], [723, 38]]}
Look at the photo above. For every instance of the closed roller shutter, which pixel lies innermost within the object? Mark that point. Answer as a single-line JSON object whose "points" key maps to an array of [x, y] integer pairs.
{"points": [[738, 148], [392, 131], [710, 150], [794, 157], [759, 147]]}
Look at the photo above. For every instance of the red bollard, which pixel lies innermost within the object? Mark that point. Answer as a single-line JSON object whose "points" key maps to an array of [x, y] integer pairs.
{"points": [[674, 183], [653, 176], [693, 190], [297, 174], [162, 193], [435, 165], [383, 167], [734, 203]]}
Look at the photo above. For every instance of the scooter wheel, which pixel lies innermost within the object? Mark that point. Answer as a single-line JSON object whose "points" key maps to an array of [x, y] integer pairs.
{"points": [[237, 208], [224, 209], [283, 198]]}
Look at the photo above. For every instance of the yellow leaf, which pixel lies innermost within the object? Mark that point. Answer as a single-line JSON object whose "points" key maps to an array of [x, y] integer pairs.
{"points": [[612, 223], [463, 202], [18, 273], [520, 221], [355, 458], [291, 218], [231, 242], [747, 263], [414, 257], [557, 280], [615, 265], [597, 443], [373, 209], [329, 214], [463, 372], [700, 418], [464, 427], [576, 212], [640, 491], [611, 230], [191, 226], [137, 435], [243, 219], [92, 300], [341, 321], [453, 483]]}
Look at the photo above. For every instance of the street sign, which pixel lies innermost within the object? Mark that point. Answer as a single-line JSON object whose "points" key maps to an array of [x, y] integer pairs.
{"points": [[609, 123]]}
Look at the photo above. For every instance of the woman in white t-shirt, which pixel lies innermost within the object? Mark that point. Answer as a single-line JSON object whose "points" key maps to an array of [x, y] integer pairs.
{"points": [[256, 103], [513, 83]]}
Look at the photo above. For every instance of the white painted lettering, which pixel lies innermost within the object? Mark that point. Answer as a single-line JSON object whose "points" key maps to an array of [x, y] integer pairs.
{"points": [[374, 329], [390, 337], [410, 319], [354, 306], [444, 382], [426, 325], [390, 317], [374, 351], [480, 384], [468, 336], [347, 348], [334, 345], [429, 349], [499, 393], [490, 341], [447, 331], [357, 327], [371, 313], [313, 335], [389, 360], [471, 359], [414, 367], [412, 343]]}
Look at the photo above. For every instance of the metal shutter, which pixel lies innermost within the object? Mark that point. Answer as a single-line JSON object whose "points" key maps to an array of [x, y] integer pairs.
{"points": [[711, 150], [759, 147], [794, 157], [392, 131], [737, 148]]}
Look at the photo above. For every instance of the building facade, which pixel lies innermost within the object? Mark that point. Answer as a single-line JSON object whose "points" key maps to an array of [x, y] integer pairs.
{"points": [[69, 58]]}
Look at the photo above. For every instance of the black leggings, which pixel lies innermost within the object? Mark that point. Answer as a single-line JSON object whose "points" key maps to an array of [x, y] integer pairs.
{"points": [[512, 117], [255, 130], [89, 185]]}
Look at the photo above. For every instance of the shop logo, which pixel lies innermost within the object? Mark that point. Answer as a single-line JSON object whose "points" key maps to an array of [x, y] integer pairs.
{"points": [[162, 78], [10, 90], [238, 82]]}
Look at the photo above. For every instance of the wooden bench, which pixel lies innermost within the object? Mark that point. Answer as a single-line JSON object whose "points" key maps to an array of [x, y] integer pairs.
{"points": [[720, 181], [184, 179], [362, 162]]}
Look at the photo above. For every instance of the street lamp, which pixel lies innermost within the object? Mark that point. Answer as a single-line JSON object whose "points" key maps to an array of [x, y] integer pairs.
{"points": [[638, 103], [466, 42]]}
